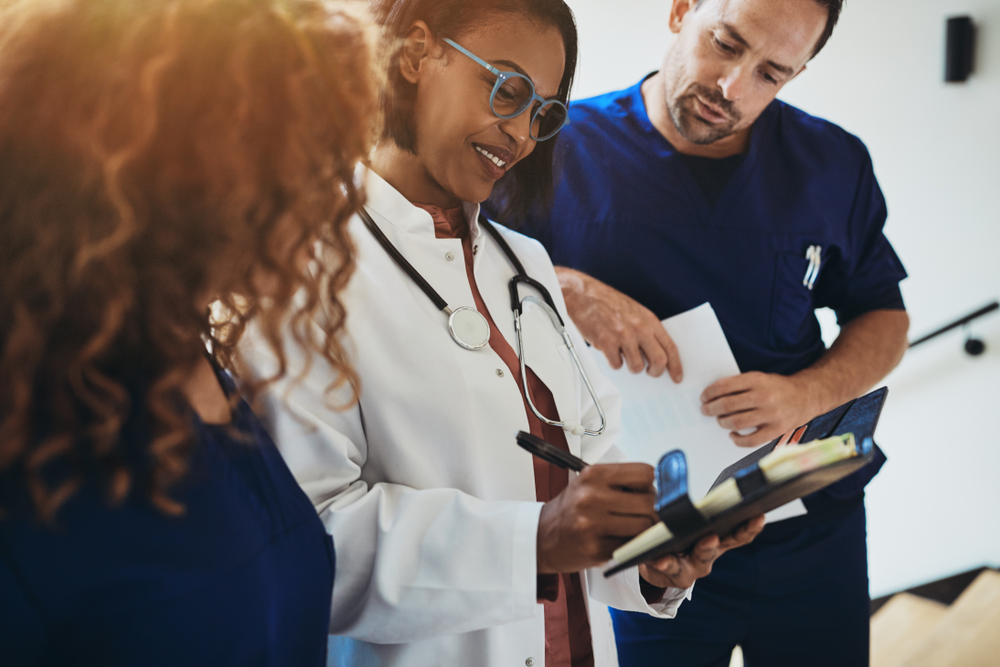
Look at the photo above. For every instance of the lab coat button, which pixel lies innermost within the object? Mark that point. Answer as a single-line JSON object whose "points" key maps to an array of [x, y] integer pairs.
{"points": [[500, 375], [475, 249], [529, 662], [450, 256]]}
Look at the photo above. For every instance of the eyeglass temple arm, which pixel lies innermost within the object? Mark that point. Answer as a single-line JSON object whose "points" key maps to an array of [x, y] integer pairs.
{"points": [[473, 56]]}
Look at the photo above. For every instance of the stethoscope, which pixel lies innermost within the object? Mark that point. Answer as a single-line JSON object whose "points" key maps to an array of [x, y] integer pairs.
{"points": [[470, 329]]}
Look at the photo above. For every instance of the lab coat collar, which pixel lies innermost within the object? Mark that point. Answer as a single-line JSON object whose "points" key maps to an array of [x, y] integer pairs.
{"points": [[397, 210]]}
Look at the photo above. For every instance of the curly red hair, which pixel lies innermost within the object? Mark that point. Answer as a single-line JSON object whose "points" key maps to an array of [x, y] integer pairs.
{"points": [[153, 156]]}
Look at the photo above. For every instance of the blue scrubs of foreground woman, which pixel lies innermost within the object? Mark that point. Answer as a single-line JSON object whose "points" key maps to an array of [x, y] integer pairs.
{"points": [[156, 156], [455, 547]]}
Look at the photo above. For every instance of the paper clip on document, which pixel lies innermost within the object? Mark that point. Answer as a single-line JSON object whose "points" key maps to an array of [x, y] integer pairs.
{"points": [[815, 256]]}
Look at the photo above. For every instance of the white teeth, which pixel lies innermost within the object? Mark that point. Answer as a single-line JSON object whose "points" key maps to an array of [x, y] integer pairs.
{"points": [[497, 161]]}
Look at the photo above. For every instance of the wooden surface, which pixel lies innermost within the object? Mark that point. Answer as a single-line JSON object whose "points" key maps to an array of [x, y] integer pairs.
{"points": [[945, 591], [900, 626], [968, 635], [912, 631]]}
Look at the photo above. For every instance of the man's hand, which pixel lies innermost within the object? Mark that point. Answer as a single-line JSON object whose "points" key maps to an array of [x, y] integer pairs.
{"points": [[618, 325], [682, 571], [763, 406], [868, 347], [602, 508]]}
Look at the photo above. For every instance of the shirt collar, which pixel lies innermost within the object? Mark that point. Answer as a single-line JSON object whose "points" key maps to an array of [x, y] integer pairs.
{"points": [[397, 210]]}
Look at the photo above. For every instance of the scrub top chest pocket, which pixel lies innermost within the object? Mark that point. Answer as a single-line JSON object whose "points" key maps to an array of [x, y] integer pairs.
{"points": [[793, 320]]}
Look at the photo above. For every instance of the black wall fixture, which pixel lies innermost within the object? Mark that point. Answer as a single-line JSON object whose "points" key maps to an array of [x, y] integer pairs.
{"points": [[973, 346], [960, 42]]}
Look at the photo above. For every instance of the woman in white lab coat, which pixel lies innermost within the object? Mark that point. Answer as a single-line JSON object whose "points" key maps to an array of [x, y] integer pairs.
{"points": [[447, 554]]}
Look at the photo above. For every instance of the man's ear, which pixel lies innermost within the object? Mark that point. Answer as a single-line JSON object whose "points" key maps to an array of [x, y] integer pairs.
{"points": [[417, 46], [678, 11]]}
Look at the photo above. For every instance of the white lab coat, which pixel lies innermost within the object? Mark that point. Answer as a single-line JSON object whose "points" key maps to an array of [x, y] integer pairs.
{"points": [[430, 501]]}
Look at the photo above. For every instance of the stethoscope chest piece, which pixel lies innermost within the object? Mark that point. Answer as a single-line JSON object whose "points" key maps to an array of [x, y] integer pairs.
{"points": [[469, 328]]}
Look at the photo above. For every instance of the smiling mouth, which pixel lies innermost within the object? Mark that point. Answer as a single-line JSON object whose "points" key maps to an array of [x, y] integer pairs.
{"points": [[490, 156]]}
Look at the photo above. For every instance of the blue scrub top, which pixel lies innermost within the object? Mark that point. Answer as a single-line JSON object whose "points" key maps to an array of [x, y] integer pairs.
{"points": [[629, 212], [244, 577]]}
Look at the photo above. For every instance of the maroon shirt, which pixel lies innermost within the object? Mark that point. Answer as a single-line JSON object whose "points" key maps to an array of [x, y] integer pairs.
{"points": [[567, 626]]}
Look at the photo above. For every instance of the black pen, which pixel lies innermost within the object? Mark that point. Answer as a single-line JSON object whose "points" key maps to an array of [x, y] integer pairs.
{"points": [[550, 453]]}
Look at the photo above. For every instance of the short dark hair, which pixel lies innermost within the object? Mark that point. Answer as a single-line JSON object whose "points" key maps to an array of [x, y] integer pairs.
{"points": [[833, 8], [530, 181]]}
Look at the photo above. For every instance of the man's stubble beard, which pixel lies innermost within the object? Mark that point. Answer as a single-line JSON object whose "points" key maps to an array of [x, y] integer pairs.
{"points": [[687, 121]]}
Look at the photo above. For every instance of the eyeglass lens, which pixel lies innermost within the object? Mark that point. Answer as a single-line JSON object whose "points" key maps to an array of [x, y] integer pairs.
{"points": [[513, 97]]}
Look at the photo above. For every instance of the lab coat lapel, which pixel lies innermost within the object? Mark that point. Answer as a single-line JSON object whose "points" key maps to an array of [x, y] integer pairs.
{"points": [[411, 230]]}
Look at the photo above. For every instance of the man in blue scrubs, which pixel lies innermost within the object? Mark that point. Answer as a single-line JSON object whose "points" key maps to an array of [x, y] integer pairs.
{"points": [[697, 185]]}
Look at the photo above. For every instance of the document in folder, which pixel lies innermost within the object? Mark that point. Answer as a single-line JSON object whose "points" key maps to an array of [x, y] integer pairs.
{"points": [[825, 450], [658, 415]]}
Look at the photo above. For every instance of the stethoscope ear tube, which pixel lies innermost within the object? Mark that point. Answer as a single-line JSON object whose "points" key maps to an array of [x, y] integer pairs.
{"points": [[590, 388], [516, 301], [401, 262], [471, 330], [575, 429]]}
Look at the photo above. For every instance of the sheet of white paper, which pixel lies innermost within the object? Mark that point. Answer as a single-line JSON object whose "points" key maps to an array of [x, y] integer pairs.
{"points": [[658, 415]]}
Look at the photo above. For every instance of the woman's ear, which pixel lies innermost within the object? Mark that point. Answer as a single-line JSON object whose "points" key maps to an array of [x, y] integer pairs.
{"points": [[417, 47]]}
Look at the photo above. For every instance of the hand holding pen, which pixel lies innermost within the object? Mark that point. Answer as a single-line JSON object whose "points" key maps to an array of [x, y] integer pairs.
{"points": [[600, 509]]}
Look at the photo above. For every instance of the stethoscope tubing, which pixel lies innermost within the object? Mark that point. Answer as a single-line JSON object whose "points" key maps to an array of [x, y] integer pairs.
{"points": [[575, 430], [520, 276], [402, 262]]}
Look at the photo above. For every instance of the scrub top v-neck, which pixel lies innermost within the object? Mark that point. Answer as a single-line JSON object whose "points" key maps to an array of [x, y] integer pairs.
{"points": [[713, 175]]}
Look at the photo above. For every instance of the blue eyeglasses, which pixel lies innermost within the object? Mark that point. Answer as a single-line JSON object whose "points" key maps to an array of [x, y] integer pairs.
{"points": [[513, 94]]}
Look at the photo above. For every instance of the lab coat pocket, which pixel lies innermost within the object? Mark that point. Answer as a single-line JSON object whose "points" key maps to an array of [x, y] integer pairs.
{"points": [[792, 306]]}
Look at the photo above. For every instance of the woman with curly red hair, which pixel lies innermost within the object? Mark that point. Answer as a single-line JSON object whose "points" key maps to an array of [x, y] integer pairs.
{"points": [[156, 158]]}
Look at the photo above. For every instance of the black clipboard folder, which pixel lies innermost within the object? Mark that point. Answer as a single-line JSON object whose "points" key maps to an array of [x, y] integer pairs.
{"points": [[687, 525]]}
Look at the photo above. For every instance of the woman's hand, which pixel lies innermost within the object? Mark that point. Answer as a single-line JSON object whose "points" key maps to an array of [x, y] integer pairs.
{"points": [[605, 506], [602, 508], [682, 571]]}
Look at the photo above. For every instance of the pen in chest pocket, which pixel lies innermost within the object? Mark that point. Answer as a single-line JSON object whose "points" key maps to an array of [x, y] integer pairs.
{"points": [[815, 256]]}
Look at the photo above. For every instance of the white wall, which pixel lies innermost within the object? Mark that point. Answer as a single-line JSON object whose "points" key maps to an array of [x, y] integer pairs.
{"points": [[935, 508]]}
